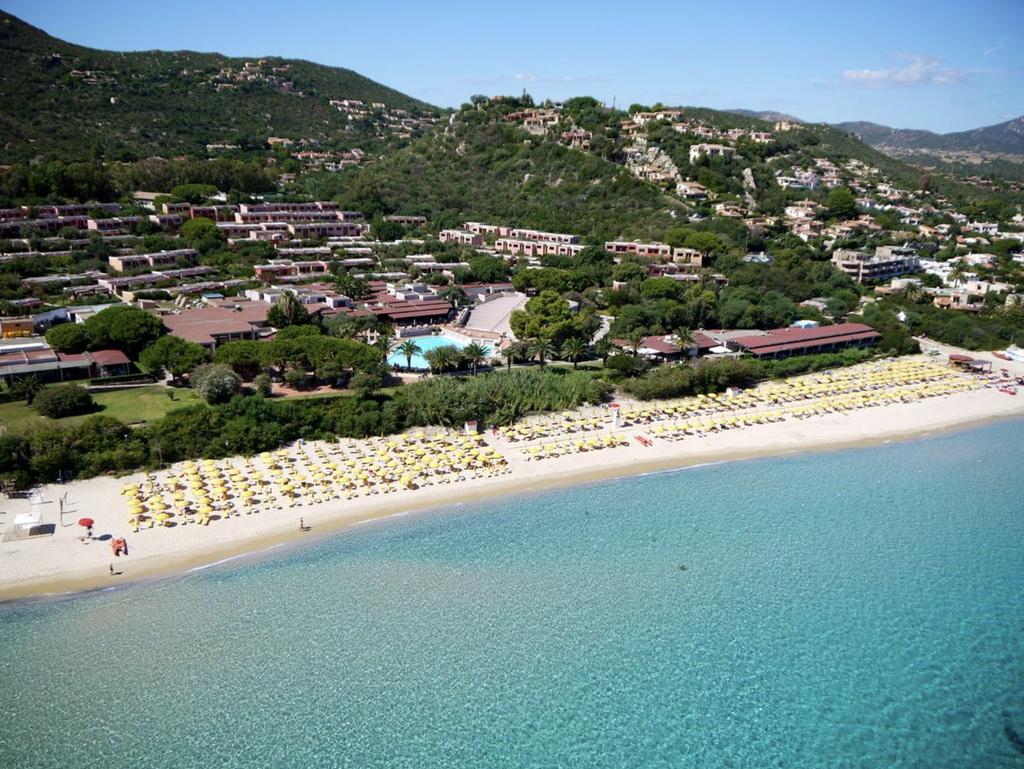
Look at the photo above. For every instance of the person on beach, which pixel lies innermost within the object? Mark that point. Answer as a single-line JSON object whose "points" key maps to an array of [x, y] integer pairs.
{"points": [[111, 570]]}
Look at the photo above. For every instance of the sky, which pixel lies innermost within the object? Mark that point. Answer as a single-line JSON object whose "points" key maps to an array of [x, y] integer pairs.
{"points": [[939, 65]]}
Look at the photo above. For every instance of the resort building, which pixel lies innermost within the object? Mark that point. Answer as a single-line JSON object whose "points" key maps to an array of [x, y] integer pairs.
{"points": [[697, 151], [214, 325], [887, 262], [786, 342], [158, 259], [462, 237]]}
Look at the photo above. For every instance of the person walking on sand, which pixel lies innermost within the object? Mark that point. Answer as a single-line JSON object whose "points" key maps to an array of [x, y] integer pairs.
{"points": [[111, 570]]}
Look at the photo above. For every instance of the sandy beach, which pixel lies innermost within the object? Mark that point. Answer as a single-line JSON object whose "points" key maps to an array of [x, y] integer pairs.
{"points": [[64, 562]]}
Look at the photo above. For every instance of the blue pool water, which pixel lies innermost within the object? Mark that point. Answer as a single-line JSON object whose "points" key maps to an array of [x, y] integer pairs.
{"points": [[426, 343], [854, 609]]}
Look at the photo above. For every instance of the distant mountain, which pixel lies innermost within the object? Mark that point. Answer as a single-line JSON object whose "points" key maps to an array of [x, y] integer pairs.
{"points": [[1005, 137], [63, 100], [766, 115]]}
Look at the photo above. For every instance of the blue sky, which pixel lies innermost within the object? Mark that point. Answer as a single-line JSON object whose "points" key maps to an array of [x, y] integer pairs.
{"points": [[940, 65]]}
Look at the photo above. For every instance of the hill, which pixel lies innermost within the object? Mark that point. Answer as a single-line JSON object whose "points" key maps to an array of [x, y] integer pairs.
{"points": [[766, 115], [486, 166], [1005, 137], [59, 100], [483, 168]]}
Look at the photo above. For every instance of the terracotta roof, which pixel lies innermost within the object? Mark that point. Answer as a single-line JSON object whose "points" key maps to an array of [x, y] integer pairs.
{"points": [[110, 358], [703, 341], [203, 325], [782, 339]]}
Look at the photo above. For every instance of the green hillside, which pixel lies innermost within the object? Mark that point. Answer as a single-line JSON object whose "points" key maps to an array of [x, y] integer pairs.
{"points": [[59, 100], [481, 168]]}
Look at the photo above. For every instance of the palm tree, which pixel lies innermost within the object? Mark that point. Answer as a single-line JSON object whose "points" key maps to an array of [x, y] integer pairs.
{"points": [[474, 355], [436, 360], [385, 338], [542, 348], [603, 347], [958, 273], [684, 339], [636, 340], [510, 353], [913, 292], [409, 348], [1013, 310], [573, 349]]}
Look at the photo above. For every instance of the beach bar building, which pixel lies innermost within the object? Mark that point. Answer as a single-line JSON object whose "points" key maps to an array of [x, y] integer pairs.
{"points": [[786, 342]]}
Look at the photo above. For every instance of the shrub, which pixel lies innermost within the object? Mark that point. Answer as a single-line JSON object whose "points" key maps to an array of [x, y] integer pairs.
{"points": [[216, 382], [623, 366], [263, 385], [63, 401]]}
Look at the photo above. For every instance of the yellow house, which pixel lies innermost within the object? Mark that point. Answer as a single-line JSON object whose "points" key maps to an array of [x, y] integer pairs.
{"points": [[15, 327]]}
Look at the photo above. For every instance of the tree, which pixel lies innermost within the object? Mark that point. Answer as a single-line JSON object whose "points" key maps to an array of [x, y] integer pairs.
{"points": [[542, 349], [245, 357], [513, 352], [474, 354], [123, 327], [15, 455], [603, 347], [385, 339], [1013, 310], [913, 292], [488, 269], [636, 340], [68, 337], [366, 383], [203, 235], [958, 273], [841, 203], [455, 295], [572, 350], [440, 359], [174, 355], [27, 387], [409, 349], [194, 193], [216, 382], [350, 286], [288, 311], [64, 400], [548, 315]]}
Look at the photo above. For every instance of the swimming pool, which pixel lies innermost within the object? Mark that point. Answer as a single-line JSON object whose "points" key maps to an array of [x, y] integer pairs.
{"points": [[425, 343]]}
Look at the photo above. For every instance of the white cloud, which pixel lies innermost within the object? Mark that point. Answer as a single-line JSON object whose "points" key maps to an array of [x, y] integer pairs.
{"points": [[993, 49], [919, 70]]}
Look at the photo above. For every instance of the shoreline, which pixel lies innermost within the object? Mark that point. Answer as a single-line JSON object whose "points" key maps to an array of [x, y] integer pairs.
{"points": [[832, 432]]}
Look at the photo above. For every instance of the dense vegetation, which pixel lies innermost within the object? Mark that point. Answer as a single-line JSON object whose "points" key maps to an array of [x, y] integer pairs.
{"points": [[488, 170], [64, 101]]}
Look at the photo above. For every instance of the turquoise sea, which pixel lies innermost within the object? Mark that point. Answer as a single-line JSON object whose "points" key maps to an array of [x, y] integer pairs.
{"points": [[862, 608]]}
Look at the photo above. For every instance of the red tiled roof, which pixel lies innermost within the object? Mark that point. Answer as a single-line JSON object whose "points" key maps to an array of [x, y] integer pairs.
{"points": [[110, 358], [782, 339], [817, 334], [74, 357], [703, 341], [204, 324]]}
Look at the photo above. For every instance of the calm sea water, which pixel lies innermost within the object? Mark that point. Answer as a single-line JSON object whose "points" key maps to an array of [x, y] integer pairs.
{"points": [[854, 609]]}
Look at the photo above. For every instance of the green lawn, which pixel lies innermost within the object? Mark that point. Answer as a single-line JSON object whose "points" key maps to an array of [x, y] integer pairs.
{"points": [[144, 404]]}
